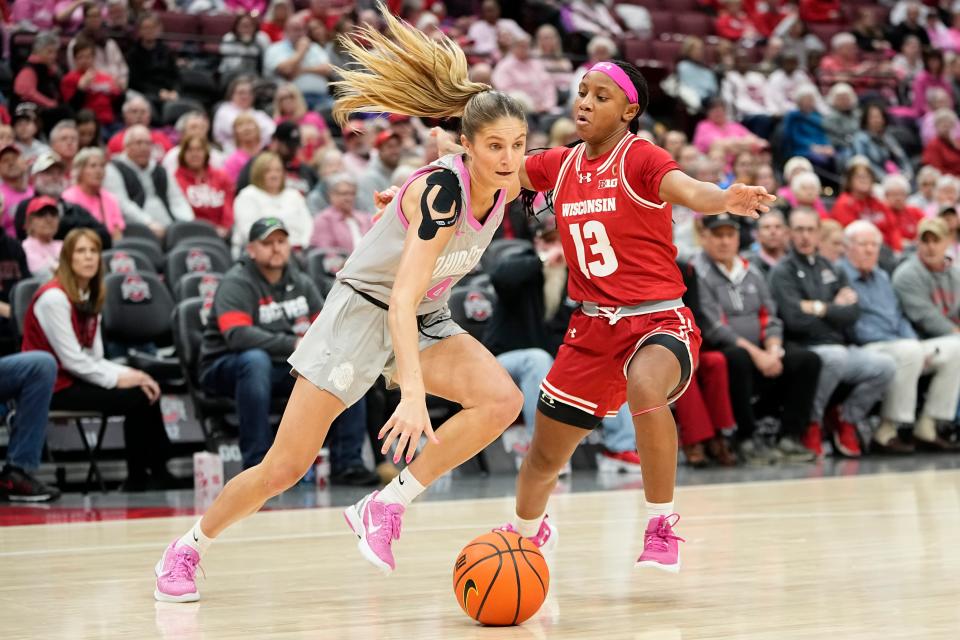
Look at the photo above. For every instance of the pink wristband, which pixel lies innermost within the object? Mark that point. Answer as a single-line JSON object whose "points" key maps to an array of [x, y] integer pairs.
{"points": [[617, 74]]}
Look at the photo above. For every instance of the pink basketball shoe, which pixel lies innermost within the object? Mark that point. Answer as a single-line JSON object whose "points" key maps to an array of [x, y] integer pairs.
{"points": [[376, 525], [546, 539], [660, 548], [176, 574]]}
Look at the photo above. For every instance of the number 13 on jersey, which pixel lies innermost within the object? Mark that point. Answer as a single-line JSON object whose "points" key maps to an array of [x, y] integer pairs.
{"points": [[593, 236]]}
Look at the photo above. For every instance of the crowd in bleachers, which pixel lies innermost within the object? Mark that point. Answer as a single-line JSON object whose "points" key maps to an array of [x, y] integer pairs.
{"points": [[151, 138]]}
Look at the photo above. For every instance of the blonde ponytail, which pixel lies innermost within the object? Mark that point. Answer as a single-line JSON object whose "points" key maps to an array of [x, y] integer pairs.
{"points": [[403, 70]]}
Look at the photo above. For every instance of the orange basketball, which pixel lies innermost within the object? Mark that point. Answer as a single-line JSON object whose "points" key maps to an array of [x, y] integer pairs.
{"points": [[500, 579]]}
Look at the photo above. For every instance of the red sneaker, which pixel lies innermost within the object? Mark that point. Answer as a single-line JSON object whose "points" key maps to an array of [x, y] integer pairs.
{"points": [[618, 462], [846, 440], [813, 439]]}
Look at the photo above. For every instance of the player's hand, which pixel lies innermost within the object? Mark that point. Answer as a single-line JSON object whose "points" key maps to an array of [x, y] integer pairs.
{"points": [[744, 200], [407, 423]]}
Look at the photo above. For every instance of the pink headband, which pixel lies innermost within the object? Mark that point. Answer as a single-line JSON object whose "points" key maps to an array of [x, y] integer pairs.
{"points": [[616, 74]]}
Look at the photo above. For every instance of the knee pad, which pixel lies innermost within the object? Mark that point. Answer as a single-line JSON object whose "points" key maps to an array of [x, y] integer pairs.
{"points": [[562, 412]]}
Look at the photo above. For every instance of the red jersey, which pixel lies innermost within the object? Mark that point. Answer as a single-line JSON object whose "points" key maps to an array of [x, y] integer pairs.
{"points": [[617, 235]]}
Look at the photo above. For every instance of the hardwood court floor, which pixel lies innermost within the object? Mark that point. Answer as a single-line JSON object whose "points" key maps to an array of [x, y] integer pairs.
{"points": [[841, 558]]}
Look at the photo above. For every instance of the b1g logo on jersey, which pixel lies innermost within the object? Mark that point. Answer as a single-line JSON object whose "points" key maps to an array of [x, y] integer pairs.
{"points": [[608, 183]]}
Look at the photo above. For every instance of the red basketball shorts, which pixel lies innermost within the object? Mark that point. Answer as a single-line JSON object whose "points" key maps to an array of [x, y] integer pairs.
{"points": [[590, 372]]}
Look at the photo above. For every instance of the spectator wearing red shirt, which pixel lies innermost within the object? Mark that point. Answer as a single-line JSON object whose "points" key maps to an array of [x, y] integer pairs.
{"points": [[896, 188], [943, 152], [137, 110], [820, 10], [858, 203], [734, 23], [38, 81], [88, 88], [208, 191], [276, 19]]}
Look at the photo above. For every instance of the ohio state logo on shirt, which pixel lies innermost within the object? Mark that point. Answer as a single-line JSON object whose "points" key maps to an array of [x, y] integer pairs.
{"points": [[135, 289], [198, 260], [204, 196]]}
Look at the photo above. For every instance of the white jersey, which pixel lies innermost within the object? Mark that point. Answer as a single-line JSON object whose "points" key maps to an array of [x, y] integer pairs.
{"points": [[372, 267]]}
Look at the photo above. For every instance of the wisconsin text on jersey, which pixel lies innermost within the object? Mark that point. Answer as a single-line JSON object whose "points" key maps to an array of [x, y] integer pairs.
{"points": [[584, 207]]}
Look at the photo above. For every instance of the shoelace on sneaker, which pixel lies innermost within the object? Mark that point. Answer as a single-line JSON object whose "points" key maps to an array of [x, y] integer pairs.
{"points": [[507, 528], [185, 567], [657, 540], [393, 513]]}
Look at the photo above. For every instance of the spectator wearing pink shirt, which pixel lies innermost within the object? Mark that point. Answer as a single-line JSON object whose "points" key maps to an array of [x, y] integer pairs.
{"points": [[43, 252], [716, 130], [520, 73], [256, 7], [247, 142], [89, 168], [932, 76], [485, 32], [40, 14], [340, 226], [14, 185]]}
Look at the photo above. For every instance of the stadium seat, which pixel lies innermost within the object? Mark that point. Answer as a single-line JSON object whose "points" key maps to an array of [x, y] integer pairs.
{"points": [[137, 309], [666, 52], [20, 297], [179, 25], [184, 230], [216, 25], [149, 248], [635, 49], [471, 308], [326, 260], [693, 24], [126, 261], [142, 231], [195, 259], [197, 285], [189, 319], [662, 22]]}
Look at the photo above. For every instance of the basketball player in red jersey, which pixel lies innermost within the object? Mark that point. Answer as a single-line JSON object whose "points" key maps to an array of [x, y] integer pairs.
{"points": [[631, 339]]}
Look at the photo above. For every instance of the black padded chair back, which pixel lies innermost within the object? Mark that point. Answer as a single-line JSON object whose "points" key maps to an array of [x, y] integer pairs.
{"points": [[189, 318], [20, 297], [126, 261], [139, 230], [326, 261], [149, 248], [472, 308], [137, 309], [183, 230], [193, 285], [196, 259]]}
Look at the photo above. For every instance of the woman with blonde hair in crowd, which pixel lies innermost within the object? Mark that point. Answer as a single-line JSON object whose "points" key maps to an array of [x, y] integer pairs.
{"points": [[290, 105], [64, 319], [89, 168], [247, 142], [268, 194]]}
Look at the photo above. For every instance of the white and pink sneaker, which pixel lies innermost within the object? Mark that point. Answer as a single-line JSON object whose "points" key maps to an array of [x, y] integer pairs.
{"points": [[660, 546], [546, 539], [377, 525], [176, 574]]}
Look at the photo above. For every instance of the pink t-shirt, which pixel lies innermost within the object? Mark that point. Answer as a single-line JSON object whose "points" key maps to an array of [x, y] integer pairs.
{"points": [[235, 164], [105, 208], [11, 198], [42, 257], [709, 132]]}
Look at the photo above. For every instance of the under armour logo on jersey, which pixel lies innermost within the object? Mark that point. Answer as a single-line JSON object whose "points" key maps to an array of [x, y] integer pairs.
{"points": [[585, 177], [573, 333]]}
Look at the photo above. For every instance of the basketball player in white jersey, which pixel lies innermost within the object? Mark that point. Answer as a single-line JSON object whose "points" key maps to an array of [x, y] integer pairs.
{"points": [[387, 313]]}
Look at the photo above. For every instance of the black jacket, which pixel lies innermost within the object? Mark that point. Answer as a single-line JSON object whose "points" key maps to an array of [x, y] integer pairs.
{"points": [[13, 268], [152, 69], [518, 318], [250, 313], [797, 278], [72, 216]]}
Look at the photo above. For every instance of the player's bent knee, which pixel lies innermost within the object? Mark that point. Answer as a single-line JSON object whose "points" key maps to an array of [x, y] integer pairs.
{"points": [[505, 405], [279, 476]]}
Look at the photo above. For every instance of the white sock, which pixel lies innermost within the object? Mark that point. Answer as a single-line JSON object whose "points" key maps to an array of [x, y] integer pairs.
{"points": [[656, 509], [528, 528], [925, 429], [197, 539], [402, 490], [886, 432]]}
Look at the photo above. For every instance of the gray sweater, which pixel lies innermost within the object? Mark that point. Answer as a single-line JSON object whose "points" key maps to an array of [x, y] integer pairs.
{"points": [[931, 299], [738, 308]]}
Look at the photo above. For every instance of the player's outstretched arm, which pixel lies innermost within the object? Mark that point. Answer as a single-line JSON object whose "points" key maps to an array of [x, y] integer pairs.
{"points": [[703, 197], [432, 222]]}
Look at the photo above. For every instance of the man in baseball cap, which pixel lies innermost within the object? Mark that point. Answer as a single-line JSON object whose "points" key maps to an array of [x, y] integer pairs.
{"points": [[286, 144], [26, 125]]}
